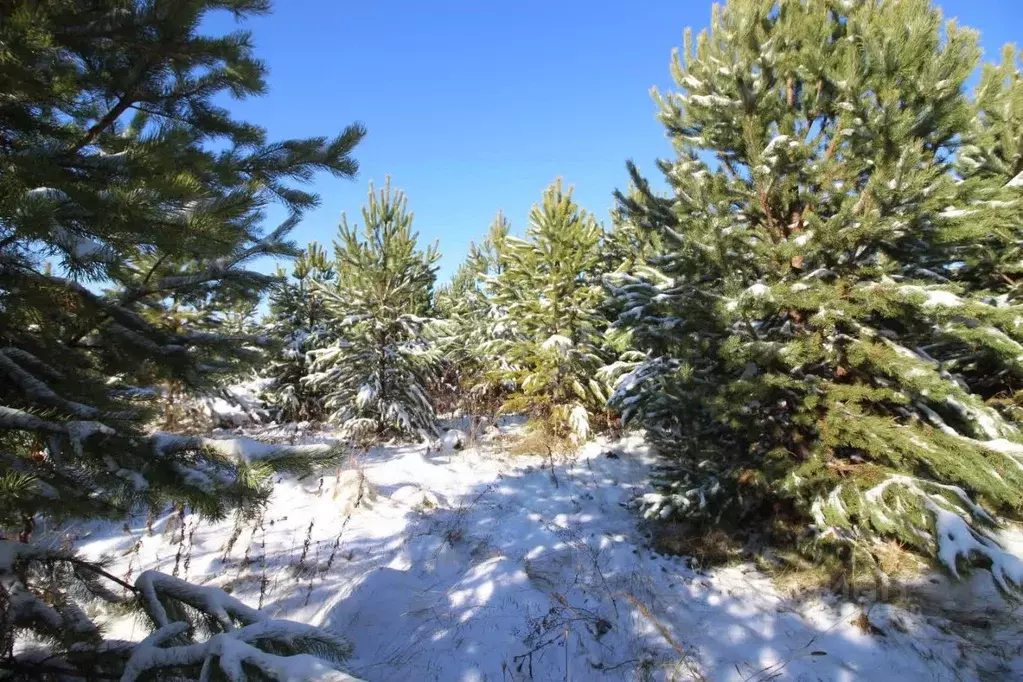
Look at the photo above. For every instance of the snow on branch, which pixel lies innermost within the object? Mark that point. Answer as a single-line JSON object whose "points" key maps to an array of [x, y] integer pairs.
{"points": [[956, 535], [36, 390], [11, 418], [212, 600], [82, 248], [24, 358], [26, 608], [237, 449], [233, 647], [230, 652]]}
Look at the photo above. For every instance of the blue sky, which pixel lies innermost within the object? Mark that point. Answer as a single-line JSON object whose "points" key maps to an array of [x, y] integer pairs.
{"points": [[474, 106]]}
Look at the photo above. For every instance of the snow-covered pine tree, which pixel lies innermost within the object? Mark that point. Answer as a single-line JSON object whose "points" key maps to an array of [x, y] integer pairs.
{"points": [[549, 290], [117, 161], [786, 326], [299, 323], [986, 251], [375, 375], [472, 370]]}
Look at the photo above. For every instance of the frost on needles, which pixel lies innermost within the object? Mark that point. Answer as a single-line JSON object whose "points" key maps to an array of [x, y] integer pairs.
{"points": [[829, 337], [126, 188]]}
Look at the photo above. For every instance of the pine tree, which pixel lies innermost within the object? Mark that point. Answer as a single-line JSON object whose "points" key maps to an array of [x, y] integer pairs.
{"points": [[788, 323], [223, 310], [376, 375], [473, 371], [986, 250], [126, 186], [549, 289], [300, 323]]}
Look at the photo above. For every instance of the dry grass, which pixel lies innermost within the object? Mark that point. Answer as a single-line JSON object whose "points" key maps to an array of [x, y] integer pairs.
{"points": [[883, 577], [685, 661], [538, 442], [712, 547]]}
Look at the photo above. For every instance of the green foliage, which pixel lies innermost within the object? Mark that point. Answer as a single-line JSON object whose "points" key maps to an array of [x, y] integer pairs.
{"points": [[549, 293], [300, 323], [375, 375], [471, 321], [801, 341], [986, 245], [122, 172]]}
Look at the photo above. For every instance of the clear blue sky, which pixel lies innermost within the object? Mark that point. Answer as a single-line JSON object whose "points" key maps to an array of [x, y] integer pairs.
{"points": [[475, 105]]}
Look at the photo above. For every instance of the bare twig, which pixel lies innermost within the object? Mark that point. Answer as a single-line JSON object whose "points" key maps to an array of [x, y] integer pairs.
{"points": [[550, 457]]}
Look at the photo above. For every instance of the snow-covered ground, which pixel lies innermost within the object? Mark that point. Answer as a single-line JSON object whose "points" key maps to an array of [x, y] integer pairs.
{"points": [[471, 565]]}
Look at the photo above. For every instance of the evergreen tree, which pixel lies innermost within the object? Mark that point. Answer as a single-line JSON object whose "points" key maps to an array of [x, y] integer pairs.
{"points": [[300, 323], [985, 253], [473, 370], [549, 291], [375, 375], [222, 310], [786, 322], [120, 170]]}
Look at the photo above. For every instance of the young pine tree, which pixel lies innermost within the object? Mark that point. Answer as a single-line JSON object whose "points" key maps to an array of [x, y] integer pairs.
{"points": [[122, 171], [790, 323], [299, 323], [472, 370], [549, 291], [375, 375]]}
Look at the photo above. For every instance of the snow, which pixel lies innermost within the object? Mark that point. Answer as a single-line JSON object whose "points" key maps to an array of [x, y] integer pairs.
{"points": [[453, 439], [804, 238], [80, 431], [692, 82], [248, 449], [579, 423], [986, 419], [230, 650], [934, 297], [557, 342], [953, 535], [939, 297], [957, 540], [47, 193], [81, 248], [483, 565], [758, 290], [775, 141], [952, 212], [212, 600], [713, 101], [1014, 451], [238, 404], [241, 449], [366, 394]]}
